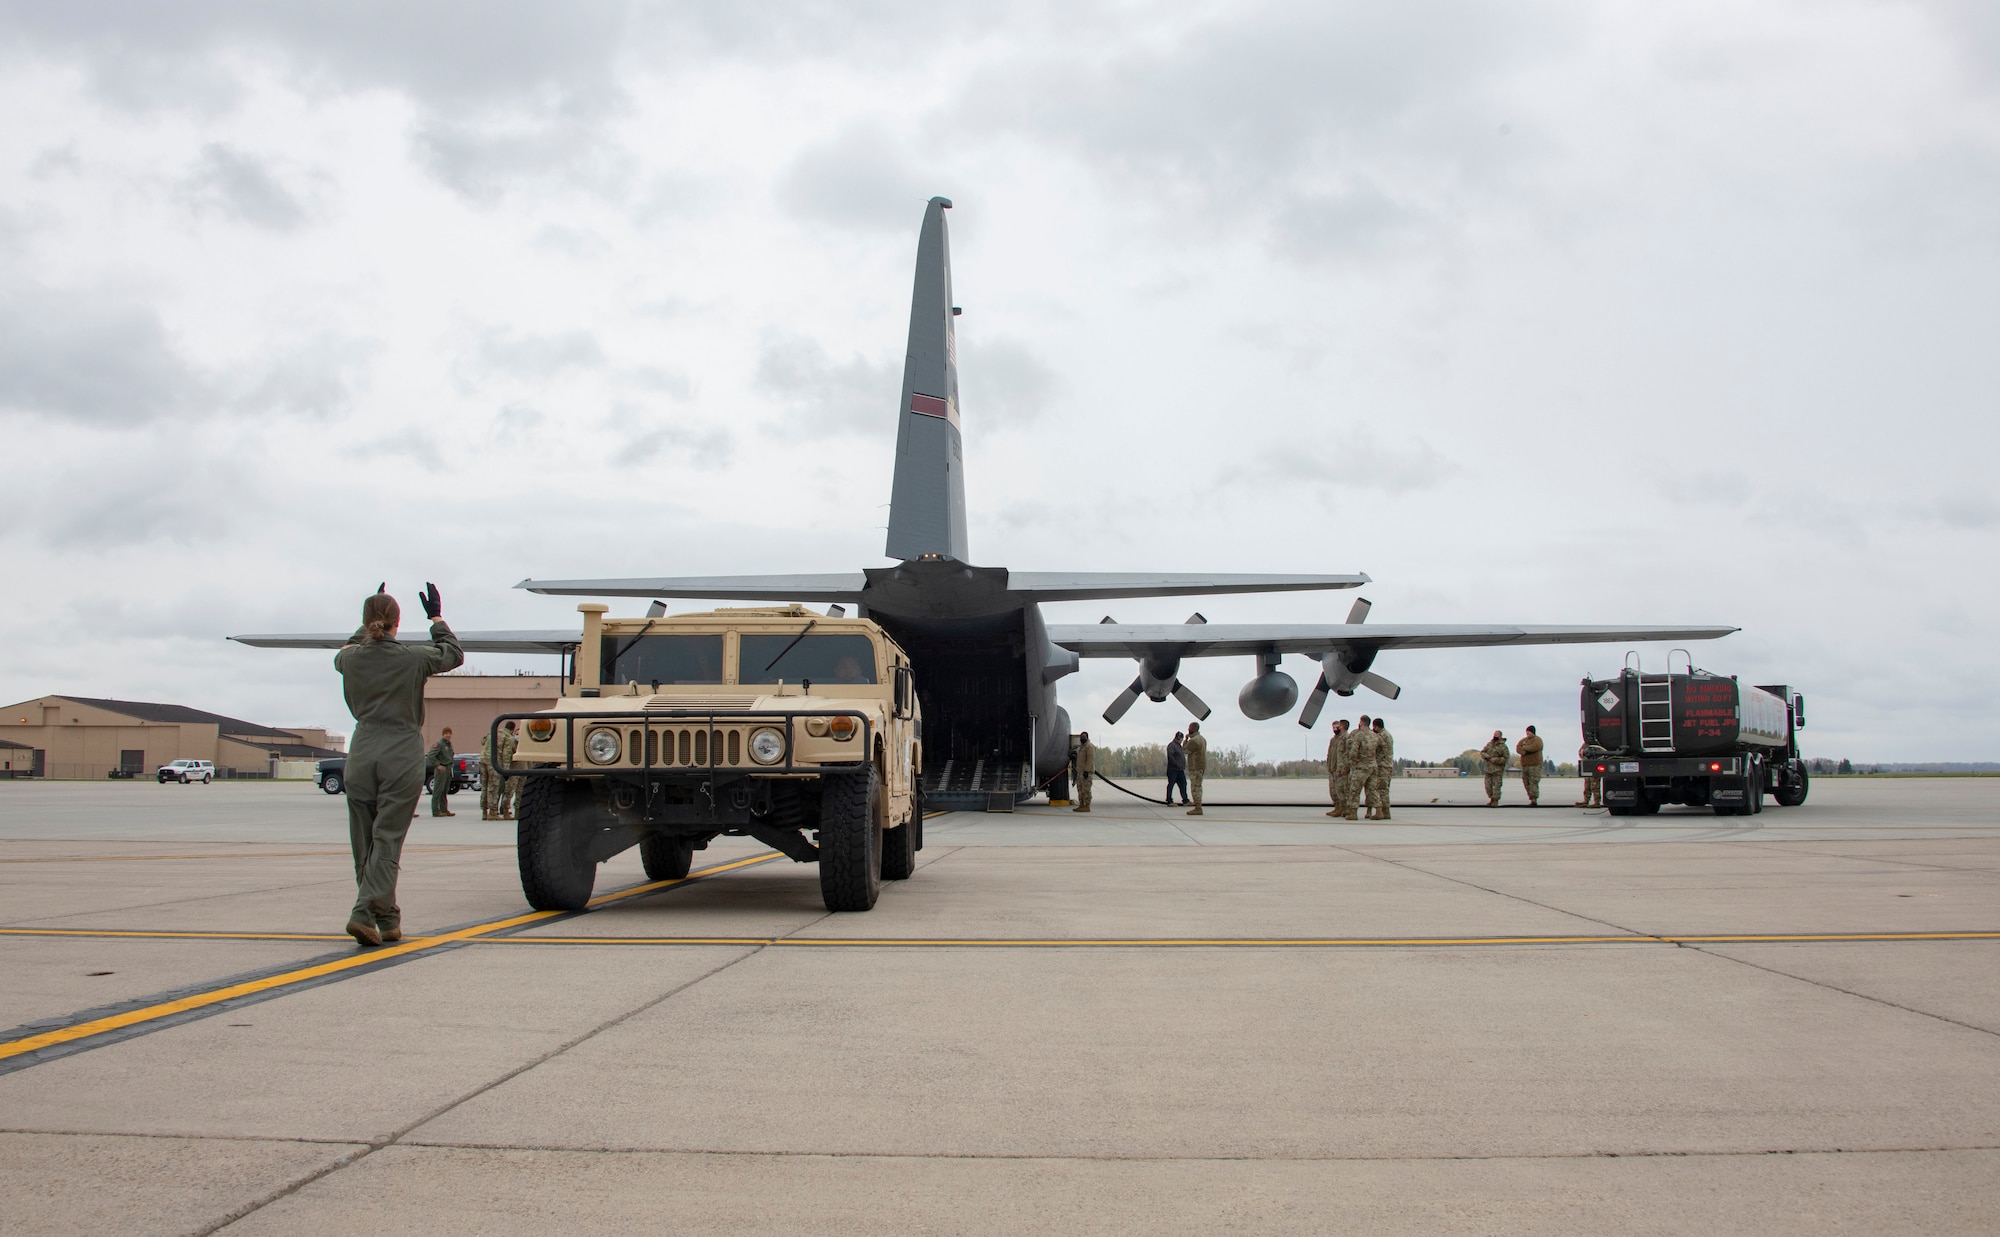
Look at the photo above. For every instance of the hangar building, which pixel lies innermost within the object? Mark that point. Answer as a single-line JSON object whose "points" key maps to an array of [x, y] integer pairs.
{"points": [[85, 737]]}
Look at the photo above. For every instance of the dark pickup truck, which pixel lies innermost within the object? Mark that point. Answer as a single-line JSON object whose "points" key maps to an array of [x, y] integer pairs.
{"points": [[464, 774]]}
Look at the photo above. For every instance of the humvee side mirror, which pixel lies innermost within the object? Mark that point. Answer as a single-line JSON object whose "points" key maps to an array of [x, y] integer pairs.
{"points": [[1799, 712], [904, 683]]}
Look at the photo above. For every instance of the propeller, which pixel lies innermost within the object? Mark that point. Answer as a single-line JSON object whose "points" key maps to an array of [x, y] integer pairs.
{"points": [[1157, 679], [1126, 699], [1309, 716], [1346, 677], [1193, 703], [1379, 685]]}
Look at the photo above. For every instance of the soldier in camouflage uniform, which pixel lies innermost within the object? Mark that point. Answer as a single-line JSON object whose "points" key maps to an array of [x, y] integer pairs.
{"points": [[1593, 784], [1495, 756], [1359, 749], [1336, 767], [1530, 751], [489, 783], [1195, 749], [443, 763], [510, 793], [1086, 766], [1385, 768]]}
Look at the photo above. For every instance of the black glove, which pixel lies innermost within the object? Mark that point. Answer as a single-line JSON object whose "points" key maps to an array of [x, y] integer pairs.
{"points": [[433, 604]]}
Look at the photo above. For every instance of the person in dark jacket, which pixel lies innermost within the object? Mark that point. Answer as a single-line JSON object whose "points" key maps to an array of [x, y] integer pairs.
{"points": [[383, 681], [1176, 768]]}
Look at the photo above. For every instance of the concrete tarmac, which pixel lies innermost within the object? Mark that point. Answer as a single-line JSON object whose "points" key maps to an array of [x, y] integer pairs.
{"points": [[1257, 1020]]}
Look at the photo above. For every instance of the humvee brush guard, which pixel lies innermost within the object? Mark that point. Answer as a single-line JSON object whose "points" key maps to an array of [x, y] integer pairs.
{"points": [[797, 729]]}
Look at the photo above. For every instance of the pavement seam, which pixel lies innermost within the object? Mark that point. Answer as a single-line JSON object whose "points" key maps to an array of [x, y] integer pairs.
{"points": [[1908, 1009], [1905, 863], [396, 1137], [1411, 867]]}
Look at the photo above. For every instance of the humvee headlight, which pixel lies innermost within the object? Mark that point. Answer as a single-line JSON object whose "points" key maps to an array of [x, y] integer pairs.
{"points": [[816, 727], [601, 746], [843, 728], [767, 746], [541, 729]]}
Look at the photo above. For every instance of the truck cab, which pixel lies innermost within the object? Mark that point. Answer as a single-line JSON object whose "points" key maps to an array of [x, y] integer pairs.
{"points": [[797, 729]]}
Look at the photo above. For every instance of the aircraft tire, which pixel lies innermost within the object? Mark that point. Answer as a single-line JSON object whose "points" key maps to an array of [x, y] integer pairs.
{"points": [[665, 858], [556, 871], [850, 841]]}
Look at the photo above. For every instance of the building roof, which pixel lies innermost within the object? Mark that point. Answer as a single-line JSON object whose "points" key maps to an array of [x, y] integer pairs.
{"points": [[147, 712], [10, 743]]}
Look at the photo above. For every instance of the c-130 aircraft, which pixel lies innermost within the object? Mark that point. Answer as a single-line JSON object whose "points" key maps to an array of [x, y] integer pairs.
{"points": [[986, 661]]}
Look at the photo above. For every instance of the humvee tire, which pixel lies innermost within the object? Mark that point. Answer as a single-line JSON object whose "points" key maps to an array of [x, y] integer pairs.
{"points": [[556, 871], [899, 848], [665, 858], [850, 841]]}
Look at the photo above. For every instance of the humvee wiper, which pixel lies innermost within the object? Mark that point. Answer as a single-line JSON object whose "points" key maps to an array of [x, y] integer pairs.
{"points": [[788, 648], [627, 646]]}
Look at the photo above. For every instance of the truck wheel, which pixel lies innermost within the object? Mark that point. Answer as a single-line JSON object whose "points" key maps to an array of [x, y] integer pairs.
{"points": [[899, 848], [556, 871], [850, 841], [1792, 791], [1618, 809], [1646, 807], [665, 858], [332, 784]]}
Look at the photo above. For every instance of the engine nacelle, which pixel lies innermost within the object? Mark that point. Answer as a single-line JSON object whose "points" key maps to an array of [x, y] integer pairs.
{"points": [[1158, 676], [1269, 694]]}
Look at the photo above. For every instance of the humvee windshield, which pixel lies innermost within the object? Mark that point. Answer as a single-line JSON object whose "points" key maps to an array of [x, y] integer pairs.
{"points": [[847, 658], [663, 659]]}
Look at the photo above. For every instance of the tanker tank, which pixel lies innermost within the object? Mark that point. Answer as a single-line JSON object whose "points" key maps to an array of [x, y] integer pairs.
{"points": [[1692, 737]]}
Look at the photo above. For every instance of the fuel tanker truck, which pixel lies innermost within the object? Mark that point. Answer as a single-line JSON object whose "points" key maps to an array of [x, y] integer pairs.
{"points": [[1692, 737]]}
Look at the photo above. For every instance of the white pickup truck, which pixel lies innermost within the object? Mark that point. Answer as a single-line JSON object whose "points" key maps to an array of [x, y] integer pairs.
{"points": [[185, 771]]}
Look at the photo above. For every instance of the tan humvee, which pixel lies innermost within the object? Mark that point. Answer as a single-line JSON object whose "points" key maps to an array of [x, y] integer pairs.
{"points": [[797, 729]]}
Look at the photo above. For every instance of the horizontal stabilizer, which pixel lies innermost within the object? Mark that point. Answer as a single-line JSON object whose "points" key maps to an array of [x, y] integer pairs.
{"points": [[470, 641], [829, 586], [1250, 639], [1047, 586]]}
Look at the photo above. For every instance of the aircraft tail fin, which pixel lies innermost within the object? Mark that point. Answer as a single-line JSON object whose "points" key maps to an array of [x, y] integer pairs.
{"points": [[927, 500]]}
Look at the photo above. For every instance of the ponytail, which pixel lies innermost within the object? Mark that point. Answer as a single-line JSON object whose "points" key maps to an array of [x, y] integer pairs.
{"points": [[379, 616]]}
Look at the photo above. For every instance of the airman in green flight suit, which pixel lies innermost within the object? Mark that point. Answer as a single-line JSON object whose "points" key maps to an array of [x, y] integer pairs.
{"points": [[383, 681]]}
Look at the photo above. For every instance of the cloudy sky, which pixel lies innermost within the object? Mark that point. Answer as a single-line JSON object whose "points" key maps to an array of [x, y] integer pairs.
{"points": [[1536, 313]]}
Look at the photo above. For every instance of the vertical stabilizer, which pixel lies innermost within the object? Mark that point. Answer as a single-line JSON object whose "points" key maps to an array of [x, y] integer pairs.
{"points": [[927, 501]]}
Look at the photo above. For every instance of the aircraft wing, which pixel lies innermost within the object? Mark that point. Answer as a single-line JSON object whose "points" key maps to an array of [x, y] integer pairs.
{"points": [[470, 641], [829, 586], [1141, 640], [1109, 585]]}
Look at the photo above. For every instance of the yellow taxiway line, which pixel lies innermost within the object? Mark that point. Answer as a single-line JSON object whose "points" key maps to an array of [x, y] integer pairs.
{"points": [[372, 957]]}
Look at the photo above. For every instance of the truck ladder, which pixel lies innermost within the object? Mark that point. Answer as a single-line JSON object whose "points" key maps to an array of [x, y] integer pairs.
{"points": [[1656, 712]]}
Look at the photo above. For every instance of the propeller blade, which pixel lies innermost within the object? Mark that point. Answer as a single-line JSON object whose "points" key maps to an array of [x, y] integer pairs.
{"points": [[1309, 716], [1194, 703], [1379, 685], [1358, 612], [1125, 701]]}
